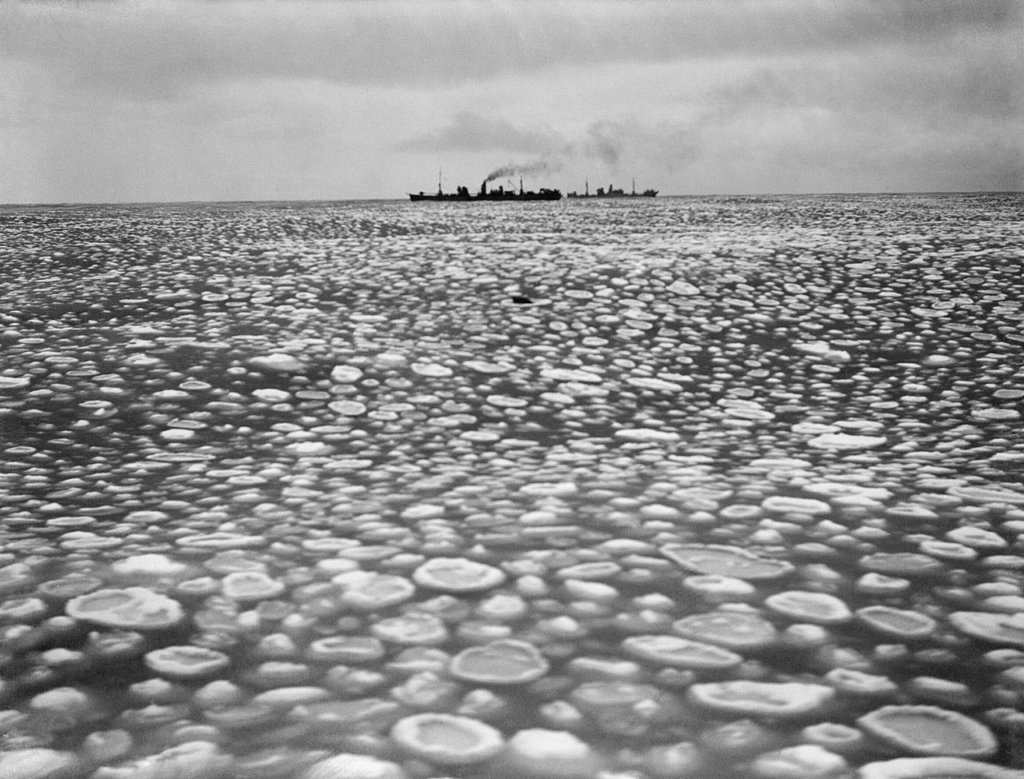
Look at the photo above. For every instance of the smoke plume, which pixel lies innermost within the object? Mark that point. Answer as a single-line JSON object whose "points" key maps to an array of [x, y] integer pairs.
{"points": [[523, 169]]}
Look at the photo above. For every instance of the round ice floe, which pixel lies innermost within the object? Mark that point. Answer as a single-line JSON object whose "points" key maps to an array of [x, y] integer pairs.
{"points": [[422, 511], [910, 514], [221, 540], [457, 574], [241, 716], [908, 564], [722, 560], [737, 410], [654, 384], [646, 435], [858, 684], [350, 464], [506, 661], [821, 350], [23, 610], [192, 758], [490, 368], [338, 650], [149, 565], [503, 607], [447, 739], [569, 374], [995, 414], [929, 730], [834, 736], [278, 363], [549, 489], [754, 699], [897, 623], [14, 382], [988, 494], [69, 586], [175, 434], [782, 504], [431, 370], [347, 408], [414, 628], [106, 746], [804, 761], [946, 550], [272, 395], [844, 442], [507, 401], [603, 569], [685, 288], [815, 607], [832, 489], [719, 589], [737, 630], [551, 754], [373, 591], [977, 538], [251, 586], [611, 698], [133, 608], [813, 428], [935, 768], [39, 763], [186, 662], [64, 708], [989, 626], [355, 766], [16, 577], [677, 652]]}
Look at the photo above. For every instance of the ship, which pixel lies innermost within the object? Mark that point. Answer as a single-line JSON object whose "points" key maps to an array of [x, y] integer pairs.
{"points": [[613, 192], [499, 194]]}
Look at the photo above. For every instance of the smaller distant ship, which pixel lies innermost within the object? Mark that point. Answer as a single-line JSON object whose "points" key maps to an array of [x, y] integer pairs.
{"points": [[613, 192], [500, 194]]}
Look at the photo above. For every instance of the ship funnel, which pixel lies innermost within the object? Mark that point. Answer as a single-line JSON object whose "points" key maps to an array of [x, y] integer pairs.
{"points": [[483, 188]]}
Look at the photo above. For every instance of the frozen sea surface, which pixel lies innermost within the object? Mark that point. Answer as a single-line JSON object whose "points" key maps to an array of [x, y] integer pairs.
{"points": [[718, 487]]}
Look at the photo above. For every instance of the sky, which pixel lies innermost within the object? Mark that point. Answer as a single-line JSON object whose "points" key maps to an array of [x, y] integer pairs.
{"points": [[180, 100]]}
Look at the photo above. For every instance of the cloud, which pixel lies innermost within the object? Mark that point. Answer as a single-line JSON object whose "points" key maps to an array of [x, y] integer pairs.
{"points": [[470, 132], [151, 50], [606, 141], [175, 99], [941, 122], [622, 145]]}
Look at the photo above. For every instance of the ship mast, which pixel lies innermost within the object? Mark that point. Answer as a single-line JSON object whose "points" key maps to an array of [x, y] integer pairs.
{"points": [[439, 181], [634, 186]]}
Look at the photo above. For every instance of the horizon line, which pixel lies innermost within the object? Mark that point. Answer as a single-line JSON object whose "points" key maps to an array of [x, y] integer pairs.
{"points": [[69, 203]]}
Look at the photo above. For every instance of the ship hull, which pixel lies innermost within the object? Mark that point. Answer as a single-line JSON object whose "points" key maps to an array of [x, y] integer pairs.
{"points": [[490, 197], [573, 196]]}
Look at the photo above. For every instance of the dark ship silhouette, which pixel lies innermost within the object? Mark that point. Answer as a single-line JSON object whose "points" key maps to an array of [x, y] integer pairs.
{"points": [[613, 192], [499, 194]]}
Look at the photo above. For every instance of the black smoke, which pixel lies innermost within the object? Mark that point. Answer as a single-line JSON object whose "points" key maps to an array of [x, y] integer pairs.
{"points": [[523, 169]]}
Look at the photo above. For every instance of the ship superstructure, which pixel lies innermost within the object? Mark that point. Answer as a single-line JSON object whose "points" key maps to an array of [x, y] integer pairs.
{"points": [[498, 194], [612, 191]]}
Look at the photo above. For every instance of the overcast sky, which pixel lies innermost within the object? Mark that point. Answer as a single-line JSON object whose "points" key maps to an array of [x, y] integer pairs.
{"points": [[228, 100]]}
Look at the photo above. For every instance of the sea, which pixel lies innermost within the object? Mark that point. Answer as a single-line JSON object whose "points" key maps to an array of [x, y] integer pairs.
{"points": [[635, 488]]}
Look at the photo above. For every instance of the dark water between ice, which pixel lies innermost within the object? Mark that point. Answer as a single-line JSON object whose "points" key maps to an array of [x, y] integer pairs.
{"points": [[688, 487]]}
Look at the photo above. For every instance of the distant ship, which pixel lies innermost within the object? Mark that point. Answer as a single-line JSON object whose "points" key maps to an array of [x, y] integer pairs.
{"points": [[613, 192], [499, 194]]}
